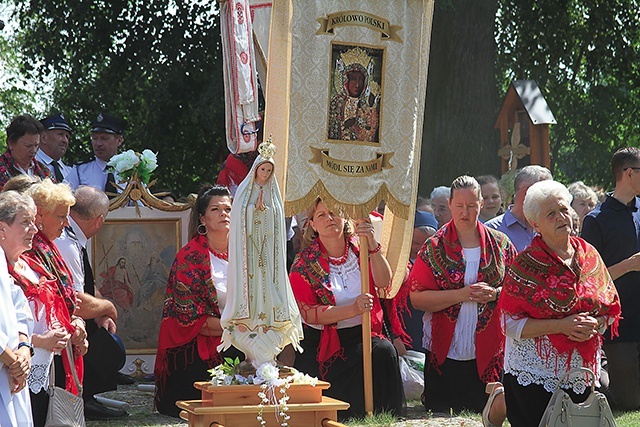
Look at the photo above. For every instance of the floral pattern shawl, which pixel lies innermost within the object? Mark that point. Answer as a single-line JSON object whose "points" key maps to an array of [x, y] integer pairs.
{"points": [[311, 285], [9, 169], [540, 286], [440, 266], [48, 293], [46, 253], [191, 297]]}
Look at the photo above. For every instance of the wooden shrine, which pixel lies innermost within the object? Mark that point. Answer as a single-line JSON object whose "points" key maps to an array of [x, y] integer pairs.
{"points": [[523, 122], [238, 406]]}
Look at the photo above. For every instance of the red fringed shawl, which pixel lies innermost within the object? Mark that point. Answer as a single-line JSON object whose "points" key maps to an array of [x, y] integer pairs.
{"points": [[191, 297], [440, 266], [48, 292], [311, 286], [46, 253], [540, 286]]}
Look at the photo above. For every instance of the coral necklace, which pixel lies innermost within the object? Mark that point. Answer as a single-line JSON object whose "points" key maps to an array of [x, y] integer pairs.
{"points": [[342, 259], [221, 255]]}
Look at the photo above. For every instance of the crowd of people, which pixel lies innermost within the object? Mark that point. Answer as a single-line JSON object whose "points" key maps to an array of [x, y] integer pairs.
{"points": [[504, 294]]}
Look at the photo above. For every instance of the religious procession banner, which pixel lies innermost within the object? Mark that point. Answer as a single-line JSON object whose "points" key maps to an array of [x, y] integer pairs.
{"points": [[239, 73], [355, 90]]}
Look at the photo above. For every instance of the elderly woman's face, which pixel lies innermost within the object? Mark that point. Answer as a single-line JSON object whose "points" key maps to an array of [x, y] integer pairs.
{"points": [[24, 150], [53, 222], [465, 208], [554, 221], [326, 223], [441, 210], [18, 237], [583, 207]]}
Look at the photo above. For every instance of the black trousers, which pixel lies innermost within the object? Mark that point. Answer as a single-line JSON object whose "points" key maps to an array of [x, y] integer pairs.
{"points": [[457, 387], [346, 374], [526, 404]]}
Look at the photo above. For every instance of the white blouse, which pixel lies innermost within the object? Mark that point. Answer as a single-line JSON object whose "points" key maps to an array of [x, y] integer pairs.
{"points": [[345, 285], [219, 268], [463, 344], [38, 378], [521, 359]]}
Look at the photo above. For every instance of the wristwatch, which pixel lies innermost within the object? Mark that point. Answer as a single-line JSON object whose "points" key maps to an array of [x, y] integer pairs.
{"points": [[27, 344]]}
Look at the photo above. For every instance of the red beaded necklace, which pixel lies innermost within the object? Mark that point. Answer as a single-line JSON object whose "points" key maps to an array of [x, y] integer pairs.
{"points": [[220, 255], [342, 259]]}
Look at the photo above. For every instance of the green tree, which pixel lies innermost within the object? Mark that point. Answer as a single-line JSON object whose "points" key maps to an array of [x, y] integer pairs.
{"points": [[15, 98], [156, 63], [584, 55]]}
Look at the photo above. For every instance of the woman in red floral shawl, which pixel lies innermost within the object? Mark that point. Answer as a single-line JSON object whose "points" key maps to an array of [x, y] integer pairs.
{"points": [[557, 300], [456, 280], [325, 278], [196, 292], [54, 289]]}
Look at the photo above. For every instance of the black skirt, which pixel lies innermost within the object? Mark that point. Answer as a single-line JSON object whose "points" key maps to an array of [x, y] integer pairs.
{"points": [[185, 368], [346, 374]]}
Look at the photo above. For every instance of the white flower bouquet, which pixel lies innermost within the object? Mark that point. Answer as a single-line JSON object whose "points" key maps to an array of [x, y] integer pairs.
{"points": [[124, 165]]}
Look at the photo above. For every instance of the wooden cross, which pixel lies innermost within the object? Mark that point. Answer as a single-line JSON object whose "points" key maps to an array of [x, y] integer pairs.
{"points": [[515, 150]]}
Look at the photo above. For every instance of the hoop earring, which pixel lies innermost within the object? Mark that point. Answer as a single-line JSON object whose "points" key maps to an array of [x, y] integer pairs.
{"points": [[199, 230]]}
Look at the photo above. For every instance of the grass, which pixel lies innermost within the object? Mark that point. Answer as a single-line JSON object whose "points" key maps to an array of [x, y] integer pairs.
{"points": [[141, 414]]}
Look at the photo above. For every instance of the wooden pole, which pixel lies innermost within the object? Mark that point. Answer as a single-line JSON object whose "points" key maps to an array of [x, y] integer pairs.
{"points": [[367, 366]]}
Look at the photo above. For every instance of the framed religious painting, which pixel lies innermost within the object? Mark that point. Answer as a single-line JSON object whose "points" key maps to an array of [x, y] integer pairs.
{"points": [[356, 92], [131, 258]]}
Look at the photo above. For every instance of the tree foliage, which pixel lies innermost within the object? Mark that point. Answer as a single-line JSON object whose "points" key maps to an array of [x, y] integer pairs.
{"points": [[156, 63], [584, 54]]}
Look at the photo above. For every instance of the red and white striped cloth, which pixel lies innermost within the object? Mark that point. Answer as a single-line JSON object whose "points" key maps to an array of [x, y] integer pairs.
{"points": [[240, 82]]}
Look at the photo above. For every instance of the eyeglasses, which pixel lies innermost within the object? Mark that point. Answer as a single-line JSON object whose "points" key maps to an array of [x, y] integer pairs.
{"points": [[635, 168]]}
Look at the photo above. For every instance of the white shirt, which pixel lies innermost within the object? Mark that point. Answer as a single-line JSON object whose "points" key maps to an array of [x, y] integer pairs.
{"points": [[46, 160], [71, 250], [15, 317], [463, 344], [521, 359], [345, 285], [219, 268]]}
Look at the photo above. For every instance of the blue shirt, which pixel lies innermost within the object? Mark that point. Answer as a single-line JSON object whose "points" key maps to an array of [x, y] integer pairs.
{"points": [[93, 173], [613, 228], [519, 234]]}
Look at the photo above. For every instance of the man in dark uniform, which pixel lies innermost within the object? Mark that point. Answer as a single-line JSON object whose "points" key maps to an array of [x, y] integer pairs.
{"points": [[54, 142], [107, 134]]}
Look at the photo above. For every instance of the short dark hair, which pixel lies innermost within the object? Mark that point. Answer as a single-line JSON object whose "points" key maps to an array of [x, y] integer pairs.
{"points": [[487, 179], [206, 192], [22, 125], [622, 159]]}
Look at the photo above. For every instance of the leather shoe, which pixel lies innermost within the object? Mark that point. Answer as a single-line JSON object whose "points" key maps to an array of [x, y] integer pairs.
{"points": [[124, 379], [94, 410]]}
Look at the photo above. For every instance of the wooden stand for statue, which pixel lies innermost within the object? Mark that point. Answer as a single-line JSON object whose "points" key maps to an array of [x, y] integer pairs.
{"points": [[237, 406]]}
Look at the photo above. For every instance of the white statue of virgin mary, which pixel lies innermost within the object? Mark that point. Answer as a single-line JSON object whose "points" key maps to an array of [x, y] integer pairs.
{"points": [[261, 315]]}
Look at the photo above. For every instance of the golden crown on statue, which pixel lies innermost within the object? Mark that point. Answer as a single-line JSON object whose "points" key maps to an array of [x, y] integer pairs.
{"points": [[356, 55], [267, 150]]}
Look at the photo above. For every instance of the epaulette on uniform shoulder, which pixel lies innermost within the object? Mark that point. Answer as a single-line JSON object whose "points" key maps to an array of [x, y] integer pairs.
{"points": [[84, 162]]}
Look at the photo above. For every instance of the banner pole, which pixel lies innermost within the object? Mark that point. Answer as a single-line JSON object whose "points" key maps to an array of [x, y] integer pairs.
{"points": [[367, 366]]}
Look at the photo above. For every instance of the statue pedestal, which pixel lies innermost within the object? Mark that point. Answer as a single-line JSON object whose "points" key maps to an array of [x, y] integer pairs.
{"points": [[237, 406]]}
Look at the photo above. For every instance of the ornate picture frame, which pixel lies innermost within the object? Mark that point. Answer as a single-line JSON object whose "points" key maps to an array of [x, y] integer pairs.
{"points": [[131, 258]]}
